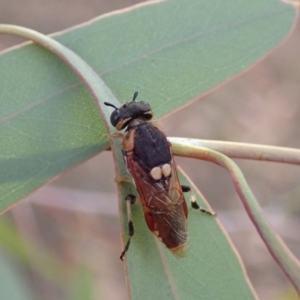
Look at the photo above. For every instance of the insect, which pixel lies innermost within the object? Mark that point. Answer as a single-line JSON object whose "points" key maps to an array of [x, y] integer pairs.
{"points": [[148, 158]]}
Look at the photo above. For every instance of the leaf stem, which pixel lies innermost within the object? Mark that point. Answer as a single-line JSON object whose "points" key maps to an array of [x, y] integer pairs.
{"points": [[281, 254], [244, 150]]}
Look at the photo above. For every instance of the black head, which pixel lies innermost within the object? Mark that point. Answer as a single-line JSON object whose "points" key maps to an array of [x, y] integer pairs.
{"points": [[129, 111]]}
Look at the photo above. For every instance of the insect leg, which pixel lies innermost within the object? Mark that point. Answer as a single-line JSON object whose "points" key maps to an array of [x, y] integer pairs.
{"points": [[185, 188], [121, 179], [130, 199], [116, 135], [194, 203]]}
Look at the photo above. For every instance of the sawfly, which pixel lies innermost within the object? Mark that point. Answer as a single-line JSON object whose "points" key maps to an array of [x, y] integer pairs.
{"points": [[148, 158]]}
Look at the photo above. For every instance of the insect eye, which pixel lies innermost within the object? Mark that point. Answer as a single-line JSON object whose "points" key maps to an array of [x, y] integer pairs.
{"points": [[115, 117], [148, 115]]}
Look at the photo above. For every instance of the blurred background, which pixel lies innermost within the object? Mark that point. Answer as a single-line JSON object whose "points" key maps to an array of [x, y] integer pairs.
{"points": [[63, 242]]}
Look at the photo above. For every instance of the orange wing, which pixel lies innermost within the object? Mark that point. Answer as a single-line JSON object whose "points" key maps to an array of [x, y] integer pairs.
{"points": [[164, 205]]}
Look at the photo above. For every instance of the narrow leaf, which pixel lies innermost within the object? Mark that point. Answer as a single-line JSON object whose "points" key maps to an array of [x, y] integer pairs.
{"points": [[169, 51]]}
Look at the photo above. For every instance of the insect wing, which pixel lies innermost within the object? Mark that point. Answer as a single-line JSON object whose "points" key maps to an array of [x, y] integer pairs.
{"points": [[164, 205]]}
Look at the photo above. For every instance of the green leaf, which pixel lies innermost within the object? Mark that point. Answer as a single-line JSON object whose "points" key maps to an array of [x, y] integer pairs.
{"points": [[211, 269], [170, 51], [280, 253]]}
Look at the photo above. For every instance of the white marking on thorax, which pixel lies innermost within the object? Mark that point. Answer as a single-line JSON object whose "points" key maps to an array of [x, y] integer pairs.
{"points": [[161, 171], [166, 170]]}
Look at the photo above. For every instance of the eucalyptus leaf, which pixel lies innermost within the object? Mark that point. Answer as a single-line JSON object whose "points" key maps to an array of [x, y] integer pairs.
{"points": [[210, 270], [171, 52]]}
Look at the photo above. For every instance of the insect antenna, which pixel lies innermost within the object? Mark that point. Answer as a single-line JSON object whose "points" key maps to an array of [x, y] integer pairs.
{"points": [[109, 104], [134, 96]]}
